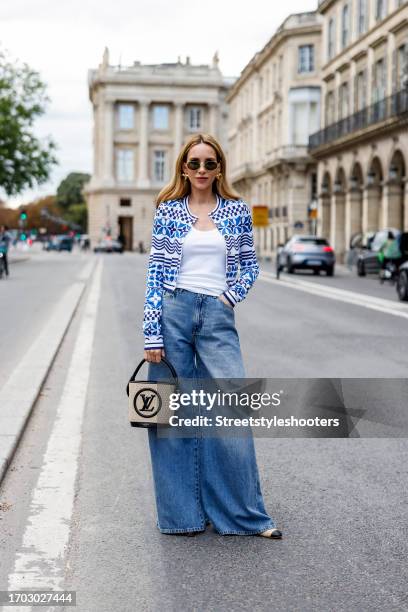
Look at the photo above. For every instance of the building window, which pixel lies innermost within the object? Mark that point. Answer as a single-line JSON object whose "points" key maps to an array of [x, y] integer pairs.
{"points": [[345, 26], [344, 101], [402, 75], [361, 88], [159, 166], [280, 71], [306, 58], [126, 116], [330, 108], [313, 186], [160, 117], [331, 38], [124, 165], [195, 118], [379, 81], [362, 16], [125, 202], [300, 123], [379, 9]]}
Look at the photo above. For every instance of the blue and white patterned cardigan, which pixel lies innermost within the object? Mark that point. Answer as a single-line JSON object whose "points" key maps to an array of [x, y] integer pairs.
{"points": [[172, 221]]}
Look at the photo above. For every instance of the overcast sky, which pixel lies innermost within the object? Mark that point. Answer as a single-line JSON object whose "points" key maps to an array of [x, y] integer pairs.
{"points": [[62, 39]]}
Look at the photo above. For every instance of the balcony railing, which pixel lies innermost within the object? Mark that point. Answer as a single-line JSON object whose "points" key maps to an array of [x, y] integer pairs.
{"points": [[387, 108]]}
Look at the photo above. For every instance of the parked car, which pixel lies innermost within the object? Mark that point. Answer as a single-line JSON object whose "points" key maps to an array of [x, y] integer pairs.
{"points": [[402, 273], [402, 282], [307, 252], [60, 243], [108, 246], [367, 261]]}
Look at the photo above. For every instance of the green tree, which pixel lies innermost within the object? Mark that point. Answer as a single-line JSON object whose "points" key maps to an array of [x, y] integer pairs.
{"points": [[24, 159], [77, 213], [69, 191]]}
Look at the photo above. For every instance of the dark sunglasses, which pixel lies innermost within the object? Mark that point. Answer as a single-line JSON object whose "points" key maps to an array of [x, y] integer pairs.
{"points": [[209, 164]]}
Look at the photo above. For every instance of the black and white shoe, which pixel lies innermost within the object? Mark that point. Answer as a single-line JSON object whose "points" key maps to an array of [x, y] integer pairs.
{"points": [[275, 534]]}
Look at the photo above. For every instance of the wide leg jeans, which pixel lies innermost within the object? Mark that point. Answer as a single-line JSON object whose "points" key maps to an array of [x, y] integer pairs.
{"points": [[201, 479]]}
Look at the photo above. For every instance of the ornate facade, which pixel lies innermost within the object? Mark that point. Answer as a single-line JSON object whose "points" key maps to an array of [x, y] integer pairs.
{"points": [[274, 107], [362, 150], [143, 114]]}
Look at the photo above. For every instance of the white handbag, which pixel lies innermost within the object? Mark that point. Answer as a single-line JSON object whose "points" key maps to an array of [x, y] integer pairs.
{"points": [[149, 400]]}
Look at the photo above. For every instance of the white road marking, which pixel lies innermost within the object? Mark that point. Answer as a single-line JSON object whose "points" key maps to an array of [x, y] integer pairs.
{"points": [[342, 295], [85, 272], [39, 564]]}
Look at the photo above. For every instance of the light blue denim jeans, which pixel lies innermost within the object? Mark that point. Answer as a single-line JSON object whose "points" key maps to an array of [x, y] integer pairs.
{"points": [[201, 479]]}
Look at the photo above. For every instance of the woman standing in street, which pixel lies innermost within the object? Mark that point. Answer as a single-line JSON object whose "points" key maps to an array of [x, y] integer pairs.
{"points": [[202, 263]]}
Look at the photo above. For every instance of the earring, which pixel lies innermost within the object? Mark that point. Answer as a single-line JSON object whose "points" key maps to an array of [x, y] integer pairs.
{"points": [[185, 176], [219, 176]]}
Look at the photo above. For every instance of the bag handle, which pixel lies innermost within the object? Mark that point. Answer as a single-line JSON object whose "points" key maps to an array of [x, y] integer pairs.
{"points": [[168, 364]]}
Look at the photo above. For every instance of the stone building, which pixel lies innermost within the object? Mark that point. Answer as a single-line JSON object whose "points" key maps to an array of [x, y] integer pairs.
{"points": [[362, 148], [274, 107], [143, 114]]}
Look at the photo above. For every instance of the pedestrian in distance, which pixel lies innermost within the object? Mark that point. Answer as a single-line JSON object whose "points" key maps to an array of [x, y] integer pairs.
{"points": [[5, 240], [202, 264]]}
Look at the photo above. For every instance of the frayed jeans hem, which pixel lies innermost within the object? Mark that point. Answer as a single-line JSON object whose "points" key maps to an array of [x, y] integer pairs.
{"points": [[201, 528]]}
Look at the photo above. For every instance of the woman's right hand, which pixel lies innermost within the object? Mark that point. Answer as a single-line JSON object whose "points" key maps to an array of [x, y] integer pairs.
{"points": [[154, 355]]}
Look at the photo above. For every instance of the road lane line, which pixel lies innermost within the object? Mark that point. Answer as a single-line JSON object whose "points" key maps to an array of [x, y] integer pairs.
{"points": [[40, 562], [341, 295]]}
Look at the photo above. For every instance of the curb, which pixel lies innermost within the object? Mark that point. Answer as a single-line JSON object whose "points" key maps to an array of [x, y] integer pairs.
{"points": [[21, 391]]}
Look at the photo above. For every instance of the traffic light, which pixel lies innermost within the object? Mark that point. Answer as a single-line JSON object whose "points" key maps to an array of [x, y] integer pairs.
{"points": [[23, 215]]}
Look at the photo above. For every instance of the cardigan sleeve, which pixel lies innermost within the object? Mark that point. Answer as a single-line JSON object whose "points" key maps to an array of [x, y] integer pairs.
{"points": [[154, 285], [249, 267]]}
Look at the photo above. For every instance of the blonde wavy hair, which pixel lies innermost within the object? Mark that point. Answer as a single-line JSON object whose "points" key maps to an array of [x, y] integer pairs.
{"points": [[180, 187]]}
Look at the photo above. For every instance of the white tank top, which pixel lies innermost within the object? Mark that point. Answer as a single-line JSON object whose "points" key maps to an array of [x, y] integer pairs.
{"points": [[202, 268]]}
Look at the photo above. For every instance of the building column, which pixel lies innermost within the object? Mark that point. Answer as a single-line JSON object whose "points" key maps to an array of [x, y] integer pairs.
{"points": [[371, 205], [392, 206], [255, 109], [96, 141], [108, 143], [353, 214], [324, 216], [143, 178], [337, 225], [178, 128], [213, 119]]}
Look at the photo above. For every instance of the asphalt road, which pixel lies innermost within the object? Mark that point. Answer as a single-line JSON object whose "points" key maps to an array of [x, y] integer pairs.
{"points": [[341, 503]]}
